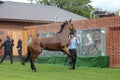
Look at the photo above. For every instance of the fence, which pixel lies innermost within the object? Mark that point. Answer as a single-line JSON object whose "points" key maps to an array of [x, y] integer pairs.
{"points": [[92, 43]]}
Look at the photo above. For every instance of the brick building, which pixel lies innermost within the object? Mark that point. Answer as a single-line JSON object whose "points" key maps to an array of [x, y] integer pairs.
{"points": [[111, 26]]}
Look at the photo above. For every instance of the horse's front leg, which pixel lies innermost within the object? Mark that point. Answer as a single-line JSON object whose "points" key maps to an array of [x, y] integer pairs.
{"points": [[32, 65], [66, 51]]}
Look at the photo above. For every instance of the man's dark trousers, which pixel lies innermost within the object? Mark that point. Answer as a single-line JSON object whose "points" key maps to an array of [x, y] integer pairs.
{"points": [[6, 54]]}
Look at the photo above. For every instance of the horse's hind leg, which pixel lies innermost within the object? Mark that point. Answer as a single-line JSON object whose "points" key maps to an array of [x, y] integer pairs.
{"points": [[27, 57], [33, 57], [25, 60], [33, 66]]}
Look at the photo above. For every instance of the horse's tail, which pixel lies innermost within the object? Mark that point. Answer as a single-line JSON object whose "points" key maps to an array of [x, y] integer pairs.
{"points": [[27, 57]]}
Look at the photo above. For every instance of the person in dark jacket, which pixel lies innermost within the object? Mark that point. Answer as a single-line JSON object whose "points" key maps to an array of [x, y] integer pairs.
{"points": [[0, 40], [19, 47], [0, 45], [12, 42], [7, 49]]}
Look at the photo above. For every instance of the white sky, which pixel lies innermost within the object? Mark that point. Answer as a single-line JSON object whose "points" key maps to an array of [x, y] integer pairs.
{"points": [[109, 5]]}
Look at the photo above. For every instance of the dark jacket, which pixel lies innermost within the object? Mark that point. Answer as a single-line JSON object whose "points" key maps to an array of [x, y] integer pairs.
{"points": [[7, 46], [19, 44], [12, 43]]}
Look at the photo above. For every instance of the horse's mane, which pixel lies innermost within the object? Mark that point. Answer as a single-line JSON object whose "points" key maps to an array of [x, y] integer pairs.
{"points": [[62, 27]]}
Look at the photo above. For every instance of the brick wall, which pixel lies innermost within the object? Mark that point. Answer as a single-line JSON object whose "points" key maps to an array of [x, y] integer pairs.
{"points": [[112, 26], [55, 27], [16, 24]]}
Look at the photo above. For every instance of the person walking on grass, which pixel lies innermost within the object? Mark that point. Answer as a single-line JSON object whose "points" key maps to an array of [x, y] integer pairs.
{"points": [[7, 49], [72, 49]]}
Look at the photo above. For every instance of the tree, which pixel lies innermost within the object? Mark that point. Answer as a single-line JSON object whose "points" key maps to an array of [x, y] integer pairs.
{"points": [[80, 7]]}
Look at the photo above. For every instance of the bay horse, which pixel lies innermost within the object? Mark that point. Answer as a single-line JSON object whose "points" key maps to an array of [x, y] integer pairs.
{"points": [[58, 42]]}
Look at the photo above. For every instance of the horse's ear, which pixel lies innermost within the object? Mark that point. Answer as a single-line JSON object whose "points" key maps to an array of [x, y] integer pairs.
{"points": [[70, 20]]}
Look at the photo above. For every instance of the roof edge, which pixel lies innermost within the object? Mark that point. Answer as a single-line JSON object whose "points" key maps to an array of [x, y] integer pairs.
{"points": [[23, 20]]}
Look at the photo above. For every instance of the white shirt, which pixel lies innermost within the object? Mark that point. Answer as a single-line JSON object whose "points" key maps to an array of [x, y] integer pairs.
{"points": [[29, 40], [73, 43]]}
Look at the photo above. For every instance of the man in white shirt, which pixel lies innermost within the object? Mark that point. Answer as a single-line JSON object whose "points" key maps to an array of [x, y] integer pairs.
{"points": [[72, 49], [29, 39]]}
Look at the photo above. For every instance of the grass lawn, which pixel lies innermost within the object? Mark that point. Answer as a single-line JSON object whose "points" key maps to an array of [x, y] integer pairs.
{"points": [[55, 72]]}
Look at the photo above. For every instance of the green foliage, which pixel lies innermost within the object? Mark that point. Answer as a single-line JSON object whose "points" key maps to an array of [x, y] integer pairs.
{"points": [[55, 72], [80, 7]]}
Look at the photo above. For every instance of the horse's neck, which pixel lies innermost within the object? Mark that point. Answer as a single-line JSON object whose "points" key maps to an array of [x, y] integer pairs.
{"points": [[65, 32]]}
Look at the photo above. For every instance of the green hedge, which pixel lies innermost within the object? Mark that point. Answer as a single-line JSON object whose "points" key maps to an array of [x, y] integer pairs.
{"points": [[100, 61]]}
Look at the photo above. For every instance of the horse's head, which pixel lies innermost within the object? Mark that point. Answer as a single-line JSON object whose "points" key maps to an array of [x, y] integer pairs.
{"points": [[68, 25], [71, 27]]}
